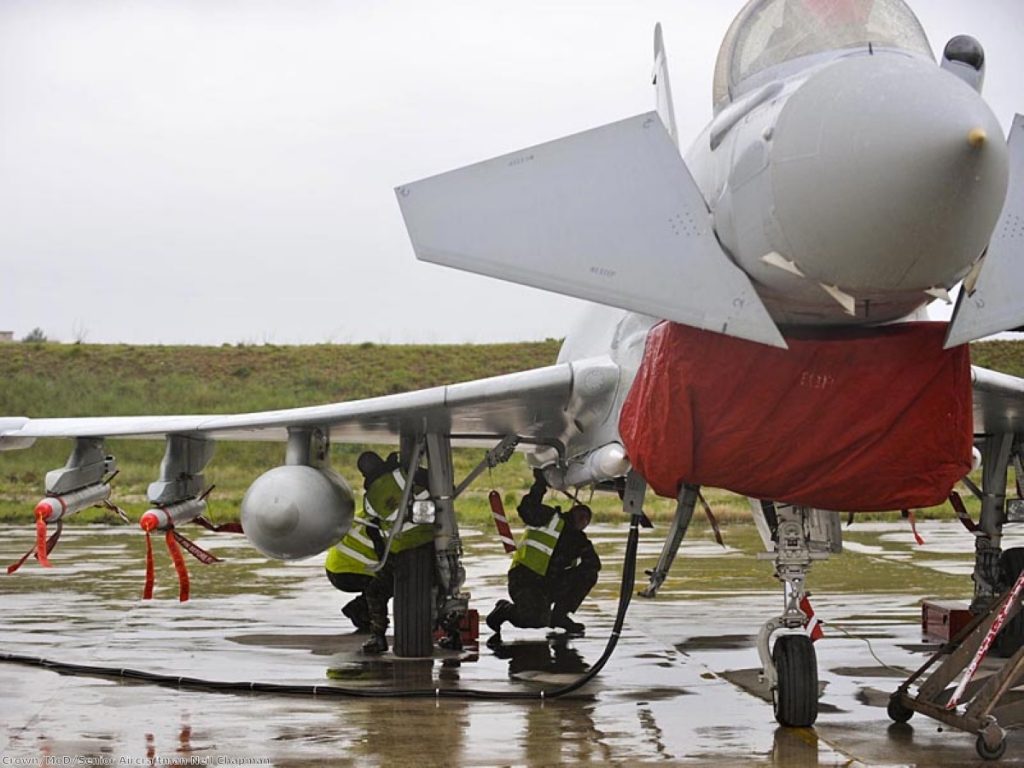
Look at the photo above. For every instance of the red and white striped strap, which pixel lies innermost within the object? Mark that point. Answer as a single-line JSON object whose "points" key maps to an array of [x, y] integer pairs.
{"points": [[501, 522], [1000, 619], [813, 625]]}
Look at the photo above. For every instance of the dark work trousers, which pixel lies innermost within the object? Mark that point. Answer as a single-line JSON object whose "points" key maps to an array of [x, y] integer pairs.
{"points": [[537, 598], [380, 590], [349, 582], [357, 609]]}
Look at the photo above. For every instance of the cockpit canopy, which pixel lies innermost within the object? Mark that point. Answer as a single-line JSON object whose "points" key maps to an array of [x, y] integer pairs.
{"points": [[769, 32]]}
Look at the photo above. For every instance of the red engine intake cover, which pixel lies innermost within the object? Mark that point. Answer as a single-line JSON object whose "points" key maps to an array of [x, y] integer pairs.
{"points": [[860, 420]]}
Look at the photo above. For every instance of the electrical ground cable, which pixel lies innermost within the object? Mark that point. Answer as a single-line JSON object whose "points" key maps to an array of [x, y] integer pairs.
{"points": [[331, 691]]}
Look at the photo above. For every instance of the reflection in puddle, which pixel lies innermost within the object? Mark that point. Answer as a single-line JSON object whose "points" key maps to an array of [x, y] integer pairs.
{"points": [[795, 747], [541, 660]]}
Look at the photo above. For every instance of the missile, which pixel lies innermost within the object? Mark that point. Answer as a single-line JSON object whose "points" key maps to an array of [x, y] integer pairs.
{"points": [[54, 508], [165, 518]]}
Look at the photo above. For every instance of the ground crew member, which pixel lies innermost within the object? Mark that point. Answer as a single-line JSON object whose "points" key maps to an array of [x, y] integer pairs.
{"points": [[350, 568], [553, 568], [384, 483]]}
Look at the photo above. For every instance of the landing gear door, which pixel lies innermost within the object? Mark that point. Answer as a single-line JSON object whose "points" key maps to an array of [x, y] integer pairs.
{"points": [[824, 531]]}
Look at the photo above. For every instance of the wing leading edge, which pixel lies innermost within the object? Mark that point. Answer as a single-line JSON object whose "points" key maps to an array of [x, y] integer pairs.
{"points": [[530, 403], [998, 402]]}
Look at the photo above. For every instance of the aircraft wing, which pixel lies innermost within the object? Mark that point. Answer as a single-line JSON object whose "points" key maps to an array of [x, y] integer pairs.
{"points": [[531, 403], [611, 215], [998, 402]]}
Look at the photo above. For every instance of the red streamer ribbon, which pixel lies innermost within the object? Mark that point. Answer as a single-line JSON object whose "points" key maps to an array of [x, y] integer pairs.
{"points": [[909, 515], [961, 512], [147, 590], [41, 550], [221, 528], [50, 544], [179, 564], [200, 554], [711, 519]]}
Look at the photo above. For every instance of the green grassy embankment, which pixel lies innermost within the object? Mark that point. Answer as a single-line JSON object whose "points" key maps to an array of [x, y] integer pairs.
{"points": [[90, 379]]}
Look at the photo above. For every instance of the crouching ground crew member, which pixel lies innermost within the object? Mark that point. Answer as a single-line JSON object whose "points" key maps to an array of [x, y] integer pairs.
{"points": [[553, 568], [350, 565], [384, 483]]}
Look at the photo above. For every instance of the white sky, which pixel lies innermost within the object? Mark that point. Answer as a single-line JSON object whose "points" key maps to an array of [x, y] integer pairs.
{"points": [[208, 171]]}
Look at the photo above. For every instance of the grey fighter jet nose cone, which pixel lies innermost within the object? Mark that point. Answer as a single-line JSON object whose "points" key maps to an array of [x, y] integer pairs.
{"points": [[888, 175]]}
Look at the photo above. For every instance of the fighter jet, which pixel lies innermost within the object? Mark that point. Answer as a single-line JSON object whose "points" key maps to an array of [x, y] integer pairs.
{"points": [[757, 324]]}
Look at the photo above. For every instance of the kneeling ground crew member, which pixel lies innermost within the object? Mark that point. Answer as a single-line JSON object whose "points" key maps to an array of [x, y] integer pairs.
{"points": [[553, 568], [350, 565], [384, 483]]}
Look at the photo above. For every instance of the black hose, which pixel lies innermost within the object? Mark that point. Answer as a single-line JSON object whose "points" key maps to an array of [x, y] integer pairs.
{"points": [[331, 691]]}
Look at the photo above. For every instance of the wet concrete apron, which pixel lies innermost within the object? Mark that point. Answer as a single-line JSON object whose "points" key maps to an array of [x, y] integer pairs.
{"points": [[682, 686]]}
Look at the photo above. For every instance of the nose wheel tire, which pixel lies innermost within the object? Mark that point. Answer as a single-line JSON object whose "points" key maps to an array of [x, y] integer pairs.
{"points": [[796, 697]]}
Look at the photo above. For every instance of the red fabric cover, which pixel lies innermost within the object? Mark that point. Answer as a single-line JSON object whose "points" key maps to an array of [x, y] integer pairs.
{"points": [[862, 420]]}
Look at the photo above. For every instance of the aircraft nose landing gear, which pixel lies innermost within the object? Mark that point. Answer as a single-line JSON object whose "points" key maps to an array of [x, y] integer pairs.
{"points": [[799, 536]]}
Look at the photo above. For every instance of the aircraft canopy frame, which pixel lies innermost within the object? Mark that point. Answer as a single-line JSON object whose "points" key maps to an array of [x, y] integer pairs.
{"points": [[767, 33]]}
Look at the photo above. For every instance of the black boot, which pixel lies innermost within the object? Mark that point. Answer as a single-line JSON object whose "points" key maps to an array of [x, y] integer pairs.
{"points": [[572, 628], [499, 615], [358, 613], [377, 608], [376, 645]]}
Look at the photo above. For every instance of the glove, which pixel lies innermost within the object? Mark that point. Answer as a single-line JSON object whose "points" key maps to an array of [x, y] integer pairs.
{"points": [[538, 478]]}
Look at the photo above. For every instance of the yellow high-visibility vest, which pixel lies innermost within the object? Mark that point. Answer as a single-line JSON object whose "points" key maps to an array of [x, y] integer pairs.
{"points": [[354, 553], [536, 545], [381, 503]]}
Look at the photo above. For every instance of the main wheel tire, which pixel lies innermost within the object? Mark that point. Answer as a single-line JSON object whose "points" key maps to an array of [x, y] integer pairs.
{"points": [[796, 664], [414, 602]]}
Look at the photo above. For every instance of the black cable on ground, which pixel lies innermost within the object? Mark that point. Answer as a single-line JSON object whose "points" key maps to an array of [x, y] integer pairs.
{"points": [[331, 691]]}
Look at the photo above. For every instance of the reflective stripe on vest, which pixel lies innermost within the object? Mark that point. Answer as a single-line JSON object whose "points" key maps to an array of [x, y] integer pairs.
{"points": [[537, 544], [353, 554], [382, 501]]}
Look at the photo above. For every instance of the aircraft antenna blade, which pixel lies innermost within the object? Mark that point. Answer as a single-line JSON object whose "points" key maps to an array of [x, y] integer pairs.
{"points": [[995, 301], [611, 215]]}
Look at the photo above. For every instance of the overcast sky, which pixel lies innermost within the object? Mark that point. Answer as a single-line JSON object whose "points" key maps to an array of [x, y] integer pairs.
{"points": [[208, 171]]}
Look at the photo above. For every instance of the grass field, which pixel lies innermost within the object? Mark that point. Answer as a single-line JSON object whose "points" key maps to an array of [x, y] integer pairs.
{"points": [[87, 379]]}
